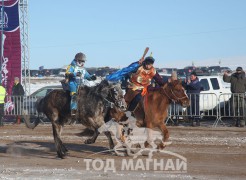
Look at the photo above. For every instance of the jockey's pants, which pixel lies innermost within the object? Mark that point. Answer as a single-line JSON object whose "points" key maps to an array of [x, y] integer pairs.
{"points": [[133, 104], [73, 87]]}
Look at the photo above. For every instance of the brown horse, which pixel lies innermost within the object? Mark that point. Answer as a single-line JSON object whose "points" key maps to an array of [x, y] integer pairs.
{"points": [[152, 111]]}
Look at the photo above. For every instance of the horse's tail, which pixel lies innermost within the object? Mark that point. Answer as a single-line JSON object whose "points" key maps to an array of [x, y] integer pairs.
{"points": [[36, 121], [29, 124]]}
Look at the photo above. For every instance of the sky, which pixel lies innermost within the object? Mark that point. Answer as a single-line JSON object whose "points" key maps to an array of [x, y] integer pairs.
{"points": [[115, 33]]}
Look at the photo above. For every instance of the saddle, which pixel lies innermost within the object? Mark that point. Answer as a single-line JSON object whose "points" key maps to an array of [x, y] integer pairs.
{"points": [[64, 84]]}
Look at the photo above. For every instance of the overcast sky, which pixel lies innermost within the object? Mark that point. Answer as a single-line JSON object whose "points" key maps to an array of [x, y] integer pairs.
{"points": [[115, 32]]}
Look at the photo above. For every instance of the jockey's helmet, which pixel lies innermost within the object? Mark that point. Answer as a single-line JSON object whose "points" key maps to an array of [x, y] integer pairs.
{"points": [[80, 58], [149, 60]]}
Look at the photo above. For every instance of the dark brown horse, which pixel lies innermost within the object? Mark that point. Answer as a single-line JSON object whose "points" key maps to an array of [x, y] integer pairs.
{"points": [[94, 104], [152, 110]]}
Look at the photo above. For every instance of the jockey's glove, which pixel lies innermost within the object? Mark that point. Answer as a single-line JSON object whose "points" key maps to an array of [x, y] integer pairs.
{"points": [[78, 74], [70, 75], [93, 77]]}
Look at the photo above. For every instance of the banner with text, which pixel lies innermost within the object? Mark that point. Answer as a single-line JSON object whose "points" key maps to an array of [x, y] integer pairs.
{"points": [[11, 51]]}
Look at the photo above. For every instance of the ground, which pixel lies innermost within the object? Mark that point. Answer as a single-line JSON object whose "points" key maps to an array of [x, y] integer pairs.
{"points": [[211, 153]]}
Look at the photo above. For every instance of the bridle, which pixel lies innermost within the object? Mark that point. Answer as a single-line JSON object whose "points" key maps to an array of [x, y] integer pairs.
{"points": [[173, 96], [111, 101]]}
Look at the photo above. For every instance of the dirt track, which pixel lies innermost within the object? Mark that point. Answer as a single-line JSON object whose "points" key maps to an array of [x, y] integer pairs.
{"points": [[212, 153]]}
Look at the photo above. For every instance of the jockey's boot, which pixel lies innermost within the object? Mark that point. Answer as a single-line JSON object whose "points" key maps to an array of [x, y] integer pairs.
{"points": [[73, 112], [73, 105]]}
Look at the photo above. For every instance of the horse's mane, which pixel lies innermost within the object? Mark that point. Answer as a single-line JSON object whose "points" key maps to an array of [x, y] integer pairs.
{"points": [[102, 89]]}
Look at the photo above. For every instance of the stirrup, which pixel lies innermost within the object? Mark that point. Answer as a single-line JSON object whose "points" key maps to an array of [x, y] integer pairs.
{"points": [[73, 112]]}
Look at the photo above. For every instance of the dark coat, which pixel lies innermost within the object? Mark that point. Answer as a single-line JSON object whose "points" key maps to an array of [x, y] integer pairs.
{"points": [[193, 90], [238, 82], [18, 90], [194, 86]]}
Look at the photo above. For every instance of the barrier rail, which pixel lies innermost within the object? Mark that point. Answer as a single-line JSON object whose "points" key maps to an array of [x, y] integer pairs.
{"points": [[234, 108], [227, 105], [20, 105], [208, 106]]}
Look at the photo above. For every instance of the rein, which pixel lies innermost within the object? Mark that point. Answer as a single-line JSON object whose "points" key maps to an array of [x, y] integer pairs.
{"points": [[176, 98], [108, 102]]}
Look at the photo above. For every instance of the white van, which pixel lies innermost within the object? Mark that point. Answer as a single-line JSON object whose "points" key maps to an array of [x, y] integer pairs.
{"points": [[214, 92]]}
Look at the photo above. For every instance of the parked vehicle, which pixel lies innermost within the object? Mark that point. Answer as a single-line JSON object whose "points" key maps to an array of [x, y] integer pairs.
{"points": [[214, 92], [29, 102], [225, 69], [214, 70]]}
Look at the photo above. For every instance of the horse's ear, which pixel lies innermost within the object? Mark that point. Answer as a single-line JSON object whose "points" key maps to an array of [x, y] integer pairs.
{"points": [[174, 76], [105, 82]]}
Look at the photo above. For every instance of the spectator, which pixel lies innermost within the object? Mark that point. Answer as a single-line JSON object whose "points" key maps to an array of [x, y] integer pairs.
{"points": [[17, 93], [2, 97], [194, 87], [238, 88]]}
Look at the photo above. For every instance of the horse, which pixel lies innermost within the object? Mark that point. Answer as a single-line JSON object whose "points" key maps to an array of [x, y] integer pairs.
{"points": [[94, 104], [152, 111]]}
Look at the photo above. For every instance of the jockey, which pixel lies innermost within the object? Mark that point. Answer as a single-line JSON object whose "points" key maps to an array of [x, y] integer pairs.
{"points": [[140, 80], [76, 74]]}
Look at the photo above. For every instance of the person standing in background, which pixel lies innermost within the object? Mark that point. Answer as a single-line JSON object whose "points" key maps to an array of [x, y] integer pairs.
{"points": [[17, 93], [194, 87], [2, 97], [238, 89]]}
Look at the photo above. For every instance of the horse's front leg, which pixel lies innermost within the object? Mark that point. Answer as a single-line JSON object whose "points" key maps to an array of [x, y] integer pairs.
{"points": [[164, 131]]}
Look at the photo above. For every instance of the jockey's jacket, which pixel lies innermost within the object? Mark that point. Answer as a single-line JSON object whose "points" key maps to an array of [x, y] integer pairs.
{"points": [[74, 69], [142, 78]]}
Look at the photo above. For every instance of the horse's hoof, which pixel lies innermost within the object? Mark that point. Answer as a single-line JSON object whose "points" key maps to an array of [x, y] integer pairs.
{"points": [[89, 141], [122, 154], [61, 156], [167, 143]]}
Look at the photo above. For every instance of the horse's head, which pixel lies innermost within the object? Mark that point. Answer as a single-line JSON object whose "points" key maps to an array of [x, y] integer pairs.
{"points": [[113, 93], [117, 96], [176, 92]]}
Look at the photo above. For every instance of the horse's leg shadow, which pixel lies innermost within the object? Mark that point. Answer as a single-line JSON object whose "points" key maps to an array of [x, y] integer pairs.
{"points": [[61, 149]]}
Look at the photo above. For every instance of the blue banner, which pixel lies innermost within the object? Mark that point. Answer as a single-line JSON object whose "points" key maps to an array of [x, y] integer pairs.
{"points": [[10, 19]]}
